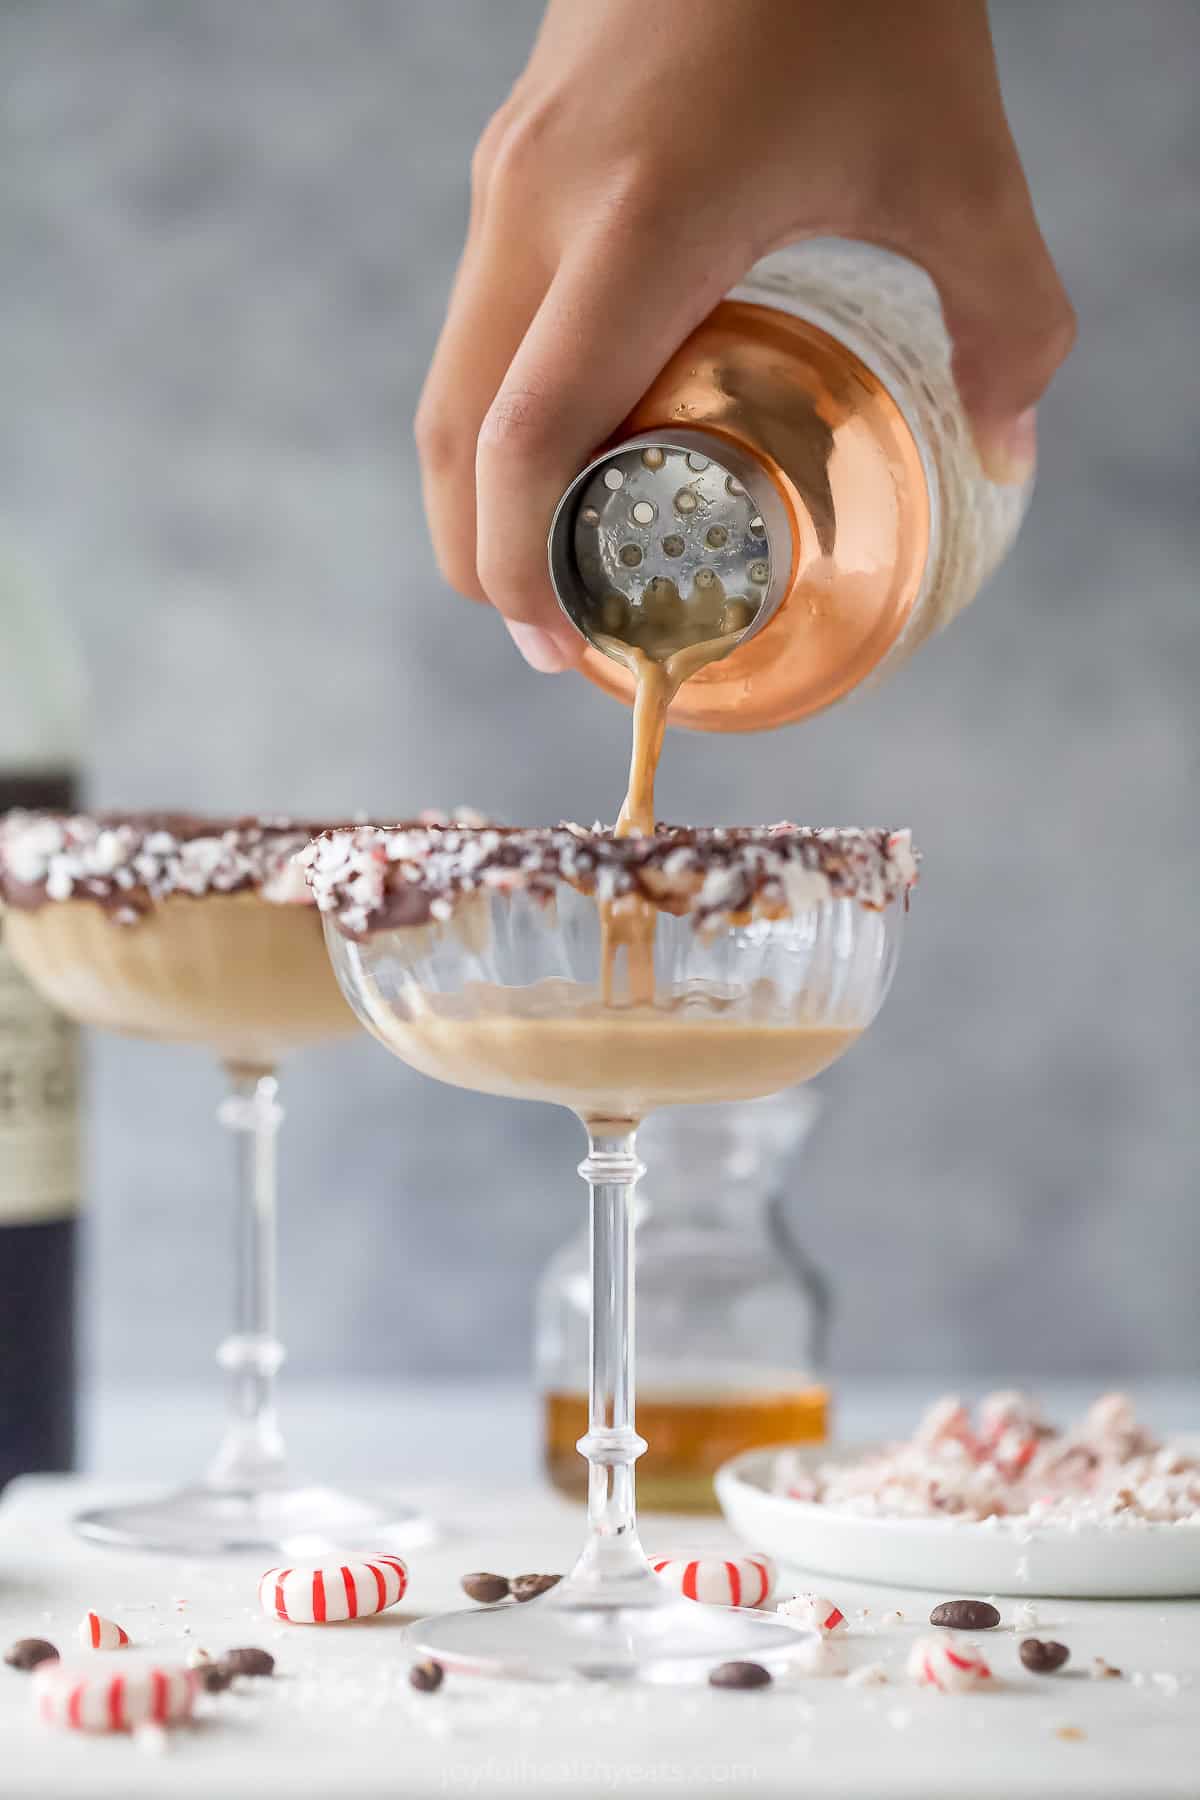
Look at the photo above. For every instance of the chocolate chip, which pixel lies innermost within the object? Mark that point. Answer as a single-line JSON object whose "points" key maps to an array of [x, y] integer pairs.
{"points": [[528, 1587], [248, 1662], [426, 1677], [740, 1675], [485, 1588], [27, 1653], [1042, 1655], [214, 1678], [965, 1615]]}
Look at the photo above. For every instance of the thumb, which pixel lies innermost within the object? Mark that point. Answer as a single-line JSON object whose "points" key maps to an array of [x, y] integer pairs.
{"points": [[1011, 325]]}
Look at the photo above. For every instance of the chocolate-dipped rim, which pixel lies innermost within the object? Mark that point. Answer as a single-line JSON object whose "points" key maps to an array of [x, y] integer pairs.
{"points": [[127, 862], [370, 878]]}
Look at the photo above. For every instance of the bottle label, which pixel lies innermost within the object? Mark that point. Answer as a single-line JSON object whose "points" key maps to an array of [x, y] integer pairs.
{"points": [[39, 1105]]}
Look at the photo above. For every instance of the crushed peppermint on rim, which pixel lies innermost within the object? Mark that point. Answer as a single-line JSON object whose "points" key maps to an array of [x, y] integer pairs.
{"points": [[376, 877], [128, 862]]}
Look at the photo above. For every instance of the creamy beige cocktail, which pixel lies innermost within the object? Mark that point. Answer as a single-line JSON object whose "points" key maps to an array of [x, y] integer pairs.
{"points": [[171, 926], [555, 1041], [443, 937]]}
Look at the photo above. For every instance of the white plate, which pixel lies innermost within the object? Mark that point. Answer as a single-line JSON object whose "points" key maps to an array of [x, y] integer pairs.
{"points": [[952, 1556]]}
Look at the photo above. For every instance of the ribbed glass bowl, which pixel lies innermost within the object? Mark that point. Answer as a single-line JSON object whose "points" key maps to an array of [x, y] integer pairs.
{"points": [[506, 996]]}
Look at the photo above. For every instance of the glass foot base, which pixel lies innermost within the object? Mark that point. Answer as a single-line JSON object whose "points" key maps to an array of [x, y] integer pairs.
{"points": [[291, 1521], [565, 1635]]}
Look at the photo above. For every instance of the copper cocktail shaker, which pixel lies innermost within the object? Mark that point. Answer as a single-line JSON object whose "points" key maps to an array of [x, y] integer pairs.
{"points": [[802, 474]]}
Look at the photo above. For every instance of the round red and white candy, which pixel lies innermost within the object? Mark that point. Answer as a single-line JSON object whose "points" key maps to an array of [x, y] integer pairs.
{"points": [[99, 1697], [814, 1610], [95, 1632], [947, 1663], [329, 1593], [718, 1580]]}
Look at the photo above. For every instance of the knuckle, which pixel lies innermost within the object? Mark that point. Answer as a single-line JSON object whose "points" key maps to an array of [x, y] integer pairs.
{"points": [[519, 423], [637, 213], [1061, 332], [520, 143], [634, 202], [440, 444], [487, 150]]}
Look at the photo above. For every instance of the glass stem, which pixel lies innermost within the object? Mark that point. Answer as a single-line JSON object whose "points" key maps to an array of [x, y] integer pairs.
{"points": [[252, 1454], [613, 1556]]}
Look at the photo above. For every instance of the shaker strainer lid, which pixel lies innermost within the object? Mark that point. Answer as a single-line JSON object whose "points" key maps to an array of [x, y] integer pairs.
{"points": [[669, 540]]}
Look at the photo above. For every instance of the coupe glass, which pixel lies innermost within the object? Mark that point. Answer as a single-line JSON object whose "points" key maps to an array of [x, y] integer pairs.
{"points": [[248, 979], [503, 996]]}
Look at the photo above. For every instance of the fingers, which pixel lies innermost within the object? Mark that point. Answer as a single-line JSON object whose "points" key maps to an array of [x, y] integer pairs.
{"points": [[498, 286], [604, 330], [495, 296]]}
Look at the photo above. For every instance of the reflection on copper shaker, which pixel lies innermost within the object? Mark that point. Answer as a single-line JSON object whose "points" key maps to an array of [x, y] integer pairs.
{"points": [[803, 455]]}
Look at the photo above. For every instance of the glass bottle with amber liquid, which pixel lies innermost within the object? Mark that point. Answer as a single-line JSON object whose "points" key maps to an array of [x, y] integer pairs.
{"points": [[734, 1317], [40, 711]]}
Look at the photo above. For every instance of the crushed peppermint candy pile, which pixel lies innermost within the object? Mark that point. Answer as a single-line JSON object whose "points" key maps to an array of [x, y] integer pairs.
{"points": [[126, 862], [1009, 1463], [372, 877]]}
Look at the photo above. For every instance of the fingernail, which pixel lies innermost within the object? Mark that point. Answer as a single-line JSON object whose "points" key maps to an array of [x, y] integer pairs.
{"points": [[1008, 452], [539, 648]]}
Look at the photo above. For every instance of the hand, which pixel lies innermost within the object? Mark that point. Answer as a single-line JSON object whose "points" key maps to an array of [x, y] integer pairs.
{"points": [[649, 153]]}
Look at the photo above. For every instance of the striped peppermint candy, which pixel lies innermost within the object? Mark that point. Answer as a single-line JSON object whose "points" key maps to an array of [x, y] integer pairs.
{"points": [[947, 1663], [95, 1632], [327, 1593], [815, 1610], [95, 1698], [718, 1580]]}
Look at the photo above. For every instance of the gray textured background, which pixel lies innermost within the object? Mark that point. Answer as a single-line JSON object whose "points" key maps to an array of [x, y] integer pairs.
{"points": [[227, 231]]}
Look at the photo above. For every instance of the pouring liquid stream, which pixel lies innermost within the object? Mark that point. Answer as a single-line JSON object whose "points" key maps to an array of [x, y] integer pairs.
{"points": [[659, 671]]}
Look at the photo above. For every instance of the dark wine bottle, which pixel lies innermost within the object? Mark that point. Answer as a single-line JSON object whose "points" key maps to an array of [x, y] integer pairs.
{"points": [[39, 1105]]}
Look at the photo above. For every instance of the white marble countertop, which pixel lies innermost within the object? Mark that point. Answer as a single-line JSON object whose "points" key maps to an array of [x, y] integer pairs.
{"points": [[340, 1716]]}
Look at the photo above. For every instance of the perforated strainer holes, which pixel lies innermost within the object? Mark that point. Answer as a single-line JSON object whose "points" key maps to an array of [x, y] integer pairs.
{"points": [[631, 555], [705, 578], [652, 458], [760, 573], [643, 512], [696, 461], [686, 500], [673, 544], [733, 486], [614, 479], [716, 537], [757, 528], [590, 516]]}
